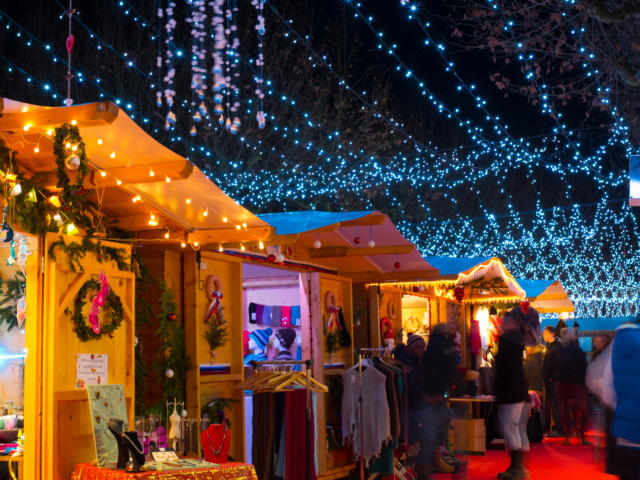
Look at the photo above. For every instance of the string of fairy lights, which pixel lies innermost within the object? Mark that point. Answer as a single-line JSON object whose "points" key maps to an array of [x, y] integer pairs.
{"points": [[566, 243]]}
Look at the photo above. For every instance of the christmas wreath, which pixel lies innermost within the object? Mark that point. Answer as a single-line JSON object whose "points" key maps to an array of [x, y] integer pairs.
{"points": [[113, 309]]}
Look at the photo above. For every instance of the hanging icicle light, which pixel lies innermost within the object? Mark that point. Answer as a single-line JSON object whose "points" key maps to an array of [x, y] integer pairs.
{"points": [[169, 92], [261, 30]]}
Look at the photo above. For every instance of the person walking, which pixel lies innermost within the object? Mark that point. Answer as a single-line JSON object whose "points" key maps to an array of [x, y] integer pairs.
{"points": [[551, 370], [570, 387], [512, 397]]}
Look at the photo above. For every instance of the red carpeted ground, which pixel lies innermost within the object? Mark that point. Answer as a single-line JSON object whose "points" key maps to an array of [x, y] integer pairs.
{"points": [[547, 461]]}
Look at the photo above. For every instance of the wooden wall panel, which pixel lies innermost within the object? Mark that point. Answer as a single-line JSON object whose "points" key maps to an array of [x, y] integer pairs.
{"points": [[65, 412]]}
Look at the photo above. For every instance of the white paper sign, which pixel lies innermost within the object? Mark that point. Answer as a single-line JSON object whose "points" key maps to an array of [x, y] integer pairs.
{"points": [[91, 369]]}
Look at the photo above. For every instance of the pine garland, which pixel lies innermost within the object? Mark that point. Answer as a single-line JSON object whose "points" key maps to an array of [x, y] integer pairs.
{"points": [[10, 292], [73, 198], [216, 333], [172, 352], [76, 252]]}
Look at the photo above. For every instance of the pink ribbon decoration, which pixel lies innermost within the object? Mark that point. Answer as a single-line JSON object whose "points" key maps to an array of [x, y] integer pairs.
{"points": [[215, 303], [71, 40], [98, 303]]}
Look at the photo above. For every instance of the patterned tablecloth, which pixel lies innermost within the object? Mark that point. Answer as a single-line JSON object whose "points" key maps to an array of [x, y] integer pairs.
{"points": [[227, 471]]}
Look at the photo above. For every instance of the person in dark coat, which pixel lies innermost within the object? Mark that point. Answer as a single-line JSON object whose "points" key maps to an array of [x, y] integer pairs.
{"points": [[551, 370], [430, 412], [570, 387], [512, 396]]}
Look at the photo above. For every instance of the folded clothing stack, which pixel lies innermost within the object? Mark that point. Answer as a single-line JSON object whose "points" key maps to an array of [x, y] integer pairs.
{"points": [[275, 315]]}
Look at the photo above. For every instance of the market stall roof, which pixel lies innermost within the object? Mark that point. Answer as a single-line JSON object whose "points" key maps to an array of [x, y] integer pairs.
{"points": [[126, 163], [488, 281], [345, 238], [453, 266], [547, 296]]}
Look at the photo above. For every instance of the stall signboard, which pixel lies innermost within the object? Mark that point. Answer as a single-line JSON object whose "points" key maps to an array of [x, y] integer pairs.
{"points": [[91, 369]]}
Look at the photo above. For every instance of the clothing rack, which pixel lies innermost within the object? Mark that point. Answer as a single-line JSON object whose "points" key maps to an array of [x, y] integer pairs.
{"points": [[368, 352], [307, 364]]}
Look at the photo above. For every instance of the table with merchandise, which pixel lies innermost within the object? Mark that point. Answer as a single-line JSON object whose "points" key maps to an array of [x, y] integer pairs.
{"points": [[192, 469]]}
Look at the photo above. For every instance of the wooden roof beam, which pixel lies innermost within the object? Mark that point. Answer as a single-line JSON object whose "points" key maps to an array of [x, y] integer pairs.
{"points": [[379, 277], [228, 235], [87, 115], [174, 170], [371, 219], [337, 252]]}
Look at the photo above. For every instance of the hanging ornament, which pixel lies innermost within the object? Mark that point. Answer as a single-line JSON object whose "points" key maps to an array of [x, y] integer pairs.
{"points": [[169, 373], [356, 240], [261, 120], [371, 244], [6, 228], [32, 196], [69, 42], [271, 258], [183, 413], [415, 289], [397, 265], [172, 317], [23, 249], [197, 117], [21, 311], [16, 190], [202, 109], [193, 132], [159, 99], [235, 126], [458, 293], [317, 244], [72, 161]]}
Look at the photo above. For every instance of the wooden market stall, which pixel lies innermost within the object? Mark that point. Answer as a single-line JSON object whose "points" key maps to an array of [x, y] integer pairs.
{"points": [[89, 171], [342, 251]]}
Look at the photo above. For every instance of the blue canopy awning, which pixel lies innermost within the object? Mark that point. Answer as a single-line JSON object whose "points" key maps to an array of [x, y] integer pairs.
{"points": [[455, 266], [287, 223], [534, 288]]}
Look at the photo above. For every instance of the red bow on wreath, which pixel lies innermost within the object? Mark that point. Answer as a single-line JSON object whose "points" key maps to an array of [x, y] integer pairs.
{"points": [[333, 319], [458, 292], [215, 303], [525, 307]]}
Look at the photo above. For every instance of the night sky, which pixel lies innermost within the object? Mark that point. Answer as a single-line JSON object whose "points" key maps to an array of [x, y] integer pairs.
{"points": [[497, 203]]}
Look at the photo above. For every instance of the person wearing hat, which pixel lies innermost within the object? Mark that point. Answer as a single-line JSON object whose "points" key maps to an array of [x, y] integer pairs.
{"points": [[258, 341], [284, 339]]}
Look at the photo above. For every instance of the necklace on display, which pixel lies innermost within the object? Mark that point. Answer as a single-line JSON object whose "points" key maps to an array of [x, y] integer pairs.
{"points": [[131, 442], [216, 452]]}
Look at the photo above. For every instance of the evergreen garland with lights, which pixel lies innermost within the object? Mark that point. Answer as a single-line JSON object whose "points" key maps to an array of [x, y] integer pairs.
{"points": [[174, 362], [69, 150], [76, 251]]}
